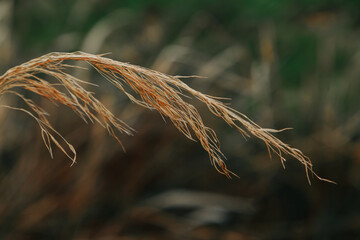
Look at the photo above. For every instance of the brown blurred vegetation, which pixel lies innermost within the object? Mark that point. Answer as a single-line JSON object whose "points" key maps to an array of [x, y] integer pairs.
{"points": [[284, 64]]}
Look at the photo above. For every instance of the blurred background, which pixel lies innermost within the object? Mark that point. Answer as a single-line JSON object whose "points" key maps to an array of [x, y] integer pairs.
{"points": [[283, 64]]}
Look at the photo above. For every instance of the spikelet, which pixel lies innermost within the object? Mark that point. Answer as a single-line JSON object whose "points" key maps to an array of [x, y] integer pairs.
{"points": [[148, 88]]}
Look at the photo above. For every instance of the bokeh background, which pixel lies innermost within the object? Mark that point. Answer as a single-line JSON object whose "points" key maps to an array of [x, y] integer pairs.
{"points": [[283, 63]]}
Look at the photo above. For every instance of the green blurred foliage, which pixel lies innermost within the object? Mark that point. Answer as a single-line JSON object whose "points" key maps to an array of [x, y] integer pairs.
{"points": [[297, 53], [46, 19]]}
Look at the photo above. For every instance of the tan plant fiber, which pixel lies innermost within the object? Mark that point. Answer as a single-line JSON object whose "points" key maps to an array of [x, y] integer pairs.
{"points": [[155, 90]]}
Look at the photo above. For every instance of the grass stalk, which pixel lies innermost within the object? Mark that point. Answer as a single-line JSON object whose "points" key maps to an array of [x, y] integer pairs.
{"points": [[147, 88]]}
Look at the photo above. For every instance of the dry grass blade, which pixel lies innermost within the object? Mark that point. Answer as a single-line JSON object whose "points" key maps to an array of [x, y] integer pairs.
{"points": [[155, 90]]}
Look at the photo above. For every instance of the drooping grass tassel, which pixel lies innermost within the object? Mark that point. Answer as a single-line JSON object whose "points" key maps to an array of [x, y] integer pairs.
{"points": [[154, 90]]}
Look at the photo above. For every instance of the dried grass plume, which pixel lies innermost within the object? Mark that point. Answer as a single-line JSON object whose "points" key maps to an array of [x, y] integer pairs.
{"points": [[148, 88]]}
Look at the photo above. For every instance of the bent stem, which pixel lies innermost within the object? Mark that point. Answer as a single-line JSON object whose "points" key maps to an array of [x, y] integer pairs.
{"points": [[154, 90]]}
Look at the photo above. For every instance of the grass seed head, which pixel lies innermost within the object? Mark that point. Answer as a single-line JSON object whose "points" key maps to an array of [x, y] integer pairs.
{"points": [[145, 87]]}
